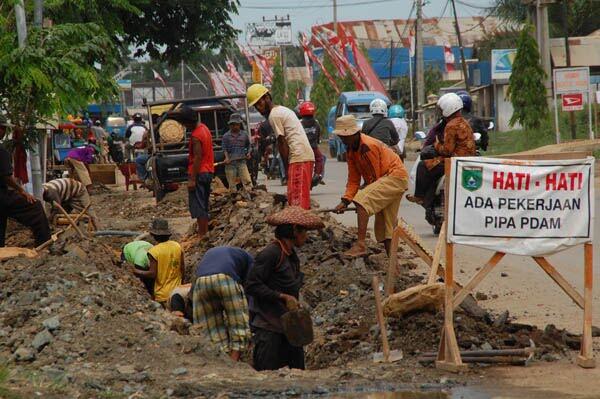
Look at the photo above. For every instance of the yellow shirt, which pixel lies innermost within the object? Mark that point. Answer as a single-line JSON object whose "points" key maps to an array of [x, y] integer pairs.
{"points": [[168, 274]]}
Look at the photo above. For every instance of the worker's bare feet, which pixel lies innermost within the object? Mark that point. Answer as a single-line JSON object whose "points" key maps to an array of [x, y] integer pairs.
{"points": [[358, 249], [416, 200]]}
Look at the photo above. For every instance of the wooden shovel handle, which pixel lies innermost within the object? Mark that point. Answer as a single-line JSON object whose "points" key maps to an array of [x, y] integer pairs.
{"points": [[380, 319]]}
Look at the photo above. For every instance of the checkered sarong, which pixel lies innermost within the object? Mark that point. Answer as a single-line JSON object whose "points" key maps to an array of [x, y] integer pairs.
{"points": [[220, 305]]}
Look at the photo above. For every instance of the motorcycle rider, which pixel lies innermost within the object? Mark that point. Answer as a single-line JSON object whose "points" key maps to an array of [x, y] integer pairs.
{"points": [[135, 134], [457, 141], [379, 126], [313, 132], [476, 123], [396, 115]]}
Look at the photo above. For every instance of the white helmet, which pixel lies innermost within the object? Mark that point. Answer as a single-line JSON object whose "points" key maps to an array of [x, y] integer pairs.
{"points": [[449, 103], [378, 107]]}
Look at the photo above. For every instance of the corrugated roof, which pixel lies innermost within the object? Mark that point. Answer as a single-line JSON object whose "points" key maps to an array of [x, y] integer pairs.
{"points": [[436, 31]]}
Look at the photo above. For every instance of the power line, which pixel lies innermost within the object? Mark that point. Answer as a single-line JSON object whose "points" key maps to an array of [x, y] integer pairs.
{"points": [[464, 3], [358, 3]]}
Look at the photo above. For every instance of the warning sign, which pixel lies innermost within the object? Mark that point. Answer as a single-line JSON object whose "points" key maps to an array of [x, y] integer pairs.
{"points": [[521, 207], [572, 102]]}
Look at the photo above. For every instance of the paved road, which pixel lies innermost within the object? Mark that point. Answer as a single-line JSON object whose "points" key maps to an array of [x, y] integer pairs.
{"points": [[526, 291]]}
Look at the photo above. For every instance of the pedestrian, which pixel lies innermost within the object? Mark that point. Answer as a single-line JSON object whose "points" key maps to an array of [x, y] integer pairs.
{"points": [[313, 132], [78, 159], [236, 146], [293, 145], [166, 264], [201, 168], [15, 202], [101, 140], [274, 287], [135, 253], [219, 302], [69, 194], [385, 180]]}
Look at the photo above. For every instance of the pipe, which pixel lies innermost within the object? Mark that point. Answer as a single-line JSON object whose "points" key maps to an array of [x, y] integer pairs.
{"points": [[123, 233]]}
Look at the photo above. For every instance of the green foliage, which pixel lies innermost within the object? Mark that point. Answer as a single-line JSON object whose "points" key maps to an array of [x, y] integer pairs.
{"points": [[526, 85], [164, 30], [433, 84], [5, 392], [59, 71], [323, 95], [278, 86]]}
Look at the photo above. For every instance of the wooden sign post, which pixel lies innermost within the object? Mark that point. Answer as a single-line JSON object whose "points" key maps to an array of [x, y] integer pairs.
{"points": [[449, 354]]}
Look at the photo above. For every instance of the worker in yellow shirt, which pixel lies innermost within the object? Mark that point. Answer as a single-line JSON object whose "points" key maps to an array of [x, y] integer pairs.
{"points": [[166, 262]]}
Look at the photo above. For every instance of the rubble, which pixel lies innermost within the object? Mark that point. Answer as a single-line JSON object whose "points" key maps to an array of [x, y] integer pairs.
{"points": [[76, 313]]}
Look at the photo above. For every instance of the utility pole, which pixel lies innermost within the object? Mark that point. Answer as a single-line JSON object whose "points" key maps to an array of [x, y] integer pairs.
{"points": [[182, 79], [572, 124], [335, 27], [462, 50], [21, 23], [38, 13], [420, 65], [391, 65]]}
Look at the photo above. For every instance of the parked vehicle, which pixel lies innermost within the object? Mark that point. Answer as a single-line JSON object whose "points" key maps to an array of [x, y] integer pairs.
{"points": [[169, 162], [356, 103], [331, 137]]}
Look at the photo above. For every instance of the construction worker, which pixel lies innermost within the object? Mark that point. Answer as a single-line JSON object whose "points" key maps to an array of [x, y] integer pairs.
{"points": [[15, 202], [385, 179], [135, 254], [294, 147], [274, 285], [379, 126], [236, 145], [313, 132], [219, 302], [166, 263], [69, 194], [77, 160], [458, 141]]}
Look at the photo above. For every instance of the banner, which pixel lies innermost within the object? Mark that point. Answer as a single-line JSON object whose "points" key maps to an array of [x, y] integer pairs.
{"points": [[365, 69], [305, 45], [520, 207]]}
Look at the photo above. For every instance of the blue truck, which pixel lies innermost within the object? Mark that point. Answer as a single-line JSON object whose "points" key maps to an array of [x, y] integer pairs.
{"points": [[350, 102]]}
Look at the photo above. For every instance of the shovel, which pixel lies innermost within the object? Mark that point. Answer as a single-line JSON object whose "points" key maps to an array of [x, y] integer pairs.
{"points": [[386, 356], [333, 210], [298, 327]]}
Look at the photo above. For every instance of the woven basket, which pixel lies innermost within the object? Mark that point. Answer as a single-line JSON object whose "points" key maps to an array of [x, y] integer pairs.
{"points": [[171, 131]]}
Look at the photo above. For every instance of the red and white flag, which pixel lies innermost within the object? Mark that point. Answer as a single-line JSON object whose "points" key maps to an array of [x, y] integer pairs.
{"points": [[365, 69], [448, 57], [158, 77], [307, 50], [411, 42]]}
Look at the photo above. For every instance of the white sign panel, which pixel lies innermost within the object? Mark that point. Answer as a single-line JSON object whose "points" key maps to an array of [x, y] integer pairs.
{"points": [[569, 80], [530, 208], [269, 33], [502, 62]]}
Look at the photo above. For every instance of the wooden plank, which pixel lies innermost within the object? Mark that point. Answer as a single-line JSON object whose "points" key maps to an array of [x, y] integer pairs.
{"points": [[586, 355], [391, 273], [477, 278], [560, 280], [66, 215], [381, 320], [547, 157], [435, 262]]}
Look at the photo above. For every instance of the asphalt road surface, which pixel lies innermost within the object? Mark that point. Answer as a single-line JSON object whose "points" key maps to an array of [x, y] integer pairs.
{"points": [[517, 284]]}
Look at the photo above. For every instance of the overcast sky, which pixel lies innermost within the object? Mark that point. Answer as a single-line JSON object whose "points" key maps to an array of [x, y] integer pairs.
{"points": [[303, 16]]}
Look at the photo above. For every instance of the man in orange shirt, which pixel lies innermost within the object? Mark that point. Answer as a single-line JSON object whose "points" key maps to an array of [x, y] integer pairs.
{"points": [[386, 181], [200, 168]]}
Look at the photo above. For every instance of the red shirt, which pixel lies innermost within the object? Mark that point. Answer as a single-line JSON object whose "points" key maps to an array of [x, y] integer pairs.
{"points": [[207, 163]]}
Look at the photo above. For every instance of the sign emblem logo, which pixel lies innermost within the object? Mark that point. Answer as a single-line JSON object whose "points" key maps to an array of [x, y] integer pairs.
{"points": [[472, 177]]}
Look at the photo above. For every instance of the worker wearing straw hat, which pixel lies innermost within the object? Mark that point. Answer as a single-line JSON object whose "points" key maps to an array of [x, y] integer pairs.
{"points": [[274, 286], [386, 181]]}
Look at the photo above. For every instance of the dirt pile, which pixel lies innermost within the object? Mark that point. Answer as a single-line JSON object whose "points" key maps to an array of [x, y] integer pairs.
{"points": [[338, 291]]}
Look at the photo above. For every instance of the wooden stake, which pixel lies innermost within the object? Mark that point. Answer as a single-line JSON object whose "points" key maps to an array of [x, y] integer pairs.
{"points": [[391, 274], [69, 218], [477, 278], [381, 320], [586, 355], [560, 280], [437, 255]]}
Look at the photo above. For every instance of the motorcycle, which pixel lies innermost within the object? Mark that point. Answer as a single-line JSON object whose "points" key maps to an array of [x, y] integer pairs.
{"points": [[435, 214]]}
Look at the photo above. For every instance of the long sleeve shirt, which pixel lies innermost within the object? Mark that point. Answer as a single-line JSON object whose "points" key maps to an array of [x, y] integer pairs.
{"points": [[371, 161], [458, 142], [236, 145], [274, 272]]}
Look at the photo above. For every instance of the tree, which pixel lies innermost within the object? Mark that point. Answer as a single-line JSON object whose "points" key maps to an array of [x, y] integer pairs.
{"points": [[165, 30], [526, 85], [433, 82], [47, 77]]}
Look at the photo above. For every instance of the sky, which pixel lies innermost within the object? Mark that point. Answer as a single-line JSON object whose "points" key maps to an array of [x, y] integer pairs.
{"points": [[303, 16]]}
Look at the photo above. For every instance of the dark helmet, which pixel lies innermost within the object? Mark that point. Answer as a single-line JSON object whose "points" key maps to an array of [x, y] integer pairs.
{"points": [[466, 99], [137, 117]]}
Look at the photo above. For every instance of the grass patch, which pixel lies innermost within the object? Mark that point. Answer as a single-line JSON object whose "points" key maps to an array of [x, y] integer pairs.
{"points": [[5, 392], [522, 140]]}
